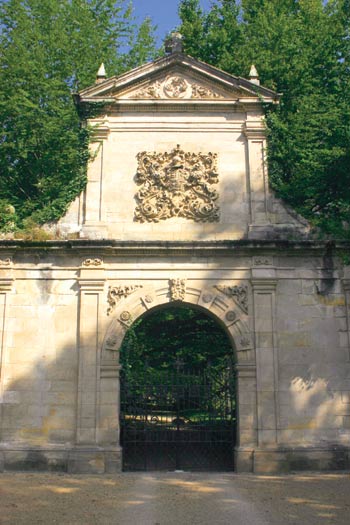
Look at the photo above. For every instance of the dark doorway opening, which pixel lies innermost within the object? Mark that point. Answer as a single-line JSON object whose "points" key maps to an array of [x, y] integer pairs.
{"points": [[177, 393]]}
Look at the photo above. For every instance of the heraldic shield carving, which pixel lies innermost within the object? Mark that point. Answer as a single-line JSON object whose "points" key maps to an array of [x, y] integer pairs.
{"points": [[177, 184]]}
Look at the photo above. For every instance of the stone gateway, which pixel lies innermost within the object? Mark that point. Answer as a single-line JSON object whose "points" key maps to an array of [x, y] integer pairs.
{"points": [[177, 210]]}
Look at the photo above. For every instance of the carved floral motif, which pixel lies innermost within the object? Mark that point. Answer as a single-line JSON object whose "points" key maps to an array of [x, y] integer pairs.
{"points": [[116, 293], [262, 261], [203, 92], [93, 262], [177, 184], [230, 316], [177, 289], [238, 293], [111, 342], [176, 86]]}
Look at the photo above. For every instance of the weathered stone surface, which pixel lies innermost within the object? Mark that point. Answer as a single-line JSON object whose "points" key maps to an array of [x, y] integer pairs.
{"points": [[161, 225]]}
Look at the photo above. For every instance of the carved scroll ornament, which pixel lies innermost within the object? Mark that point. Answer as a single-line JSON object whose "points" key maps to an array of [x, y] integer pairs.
{"points": [[176, 87], [177, 184], [238, 293], [116, 293]]}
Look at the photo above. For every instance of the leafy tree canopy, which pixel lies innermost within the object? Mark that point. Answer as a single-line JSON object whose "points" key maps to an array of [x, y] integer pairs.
{"points": [[169, 337], [301, 49], [49, 48]]}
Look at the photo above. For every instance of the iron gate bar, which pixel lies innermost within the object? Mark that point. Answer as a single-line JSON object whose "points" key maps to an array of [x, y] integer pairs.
{"points": [[186, 422]]}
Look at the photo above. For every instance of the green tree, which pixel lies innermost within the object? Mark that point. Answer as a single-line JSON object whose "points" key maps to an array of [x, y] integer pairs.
{"points": [[49, 48], [301, 49]]}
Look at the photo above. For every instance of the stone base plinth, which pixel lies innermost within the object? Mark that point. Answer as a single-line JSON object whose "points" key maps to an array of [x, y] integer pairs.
{"points": [[297, 459], [78, 460]]}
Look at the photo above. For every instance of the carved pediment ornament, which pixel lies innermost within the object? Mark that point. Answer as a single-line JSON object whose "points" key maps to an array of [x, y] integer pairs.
{"points": [[177, 288], [176, 87], [116, 293], [177, 184], [238, 293]]}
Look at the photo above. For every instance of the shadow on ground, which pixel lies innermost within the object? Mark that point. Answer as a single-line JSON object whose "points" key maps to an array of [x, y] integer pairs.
{"points": [[173, 498]]}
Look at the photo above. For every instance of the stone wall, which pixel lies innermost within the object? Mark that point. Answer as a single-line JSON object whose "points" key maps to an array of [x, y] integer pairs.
{"points": [[60, 339]]}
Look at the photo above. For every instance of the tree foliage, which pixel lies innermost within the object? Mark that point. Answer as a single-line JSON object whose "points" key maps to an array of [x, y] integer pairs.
{"points": [[49, 48], [301, 49], [175, 334]]}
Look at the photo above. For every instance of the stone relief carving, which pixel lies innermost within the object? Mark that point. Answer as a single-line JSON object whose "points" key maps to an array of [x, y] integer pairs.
{"points": [[245, 342], [111, 342], [6, 262], [203, 92], [93, 262], [116, 293], [175, 86], [262, 261], [125, 319], [177, 184], [230, 315], [238, 293], [152, 91], [177, 289]]}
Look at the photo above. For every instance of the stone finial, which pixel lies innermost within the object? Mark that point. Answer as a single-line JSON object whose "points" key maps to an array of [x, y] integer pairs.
{"points": [[101, 74], [173, 44], [254, 75]]}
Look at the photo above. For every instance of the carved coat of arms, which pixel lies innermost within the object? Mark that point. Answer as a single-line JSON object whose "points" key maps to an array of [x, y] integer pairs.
{"points": [[177, 184]]}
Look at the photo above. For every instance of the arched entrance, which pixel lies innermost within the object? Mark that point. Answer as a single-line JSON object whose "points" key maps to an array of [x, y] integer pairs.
{"points": [[178, 407]]}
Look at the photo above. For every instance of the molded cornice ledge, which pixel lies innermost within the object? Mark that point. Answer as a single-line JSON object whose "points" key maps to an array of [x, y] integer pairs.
{"points": [[6, 284]]}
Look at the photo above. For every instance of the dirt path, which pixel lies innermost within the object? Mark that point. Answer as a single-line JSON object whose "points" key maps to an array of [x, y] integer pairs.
{"points": [[174, 498]]}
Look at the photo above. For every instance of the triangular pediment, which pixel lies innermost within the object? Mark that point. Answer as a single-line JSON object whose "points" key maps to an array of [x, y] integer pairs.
{"points": [[174, 78]]}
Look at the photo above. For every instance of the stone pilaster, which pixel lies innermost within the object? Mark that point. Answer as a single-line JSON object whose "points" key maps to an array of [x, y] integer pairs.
{"points": [[246, 416], [91, 283], [94, 225], [6, 282], [346, 286], [264, 287]]}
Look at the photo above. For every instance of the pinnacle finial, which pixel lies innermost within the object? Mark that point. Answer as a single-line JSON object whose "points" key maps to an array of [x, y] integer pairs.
{"points": [[101, 74], [173, 44], [254, 75]]}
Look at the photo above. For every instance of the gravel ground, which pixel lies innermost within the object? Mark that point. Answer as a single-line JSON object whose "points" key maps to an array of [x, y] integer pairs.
{"points": [[174, 498]]}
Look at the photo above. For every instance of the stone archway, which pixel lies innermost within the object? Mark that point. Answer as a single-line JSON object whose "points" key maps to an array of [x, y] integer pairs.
{"points": [[226, 304]]}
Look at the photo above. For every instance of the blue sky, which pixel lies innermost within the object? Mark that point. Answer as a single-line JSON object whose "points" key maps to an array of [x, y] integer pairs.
{"points": [[162, 12]]}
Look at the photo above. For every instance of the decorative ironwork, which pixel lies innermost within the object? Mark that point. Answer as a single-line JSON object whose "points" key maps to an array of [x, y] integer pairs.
{"points": [[177, 289], [179, 419], [116, 293], [238, 293], [177, 184]]}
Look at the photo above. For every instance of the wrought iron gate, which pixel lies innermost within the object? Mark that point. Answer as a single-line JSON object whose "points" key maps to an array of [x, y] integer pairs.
{"points": [[178, 421]]}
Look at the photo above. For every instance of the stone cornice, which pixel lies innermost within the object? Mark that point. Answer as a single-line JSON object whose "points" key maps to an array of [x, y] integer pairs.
{"points": [[97, 247]]}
